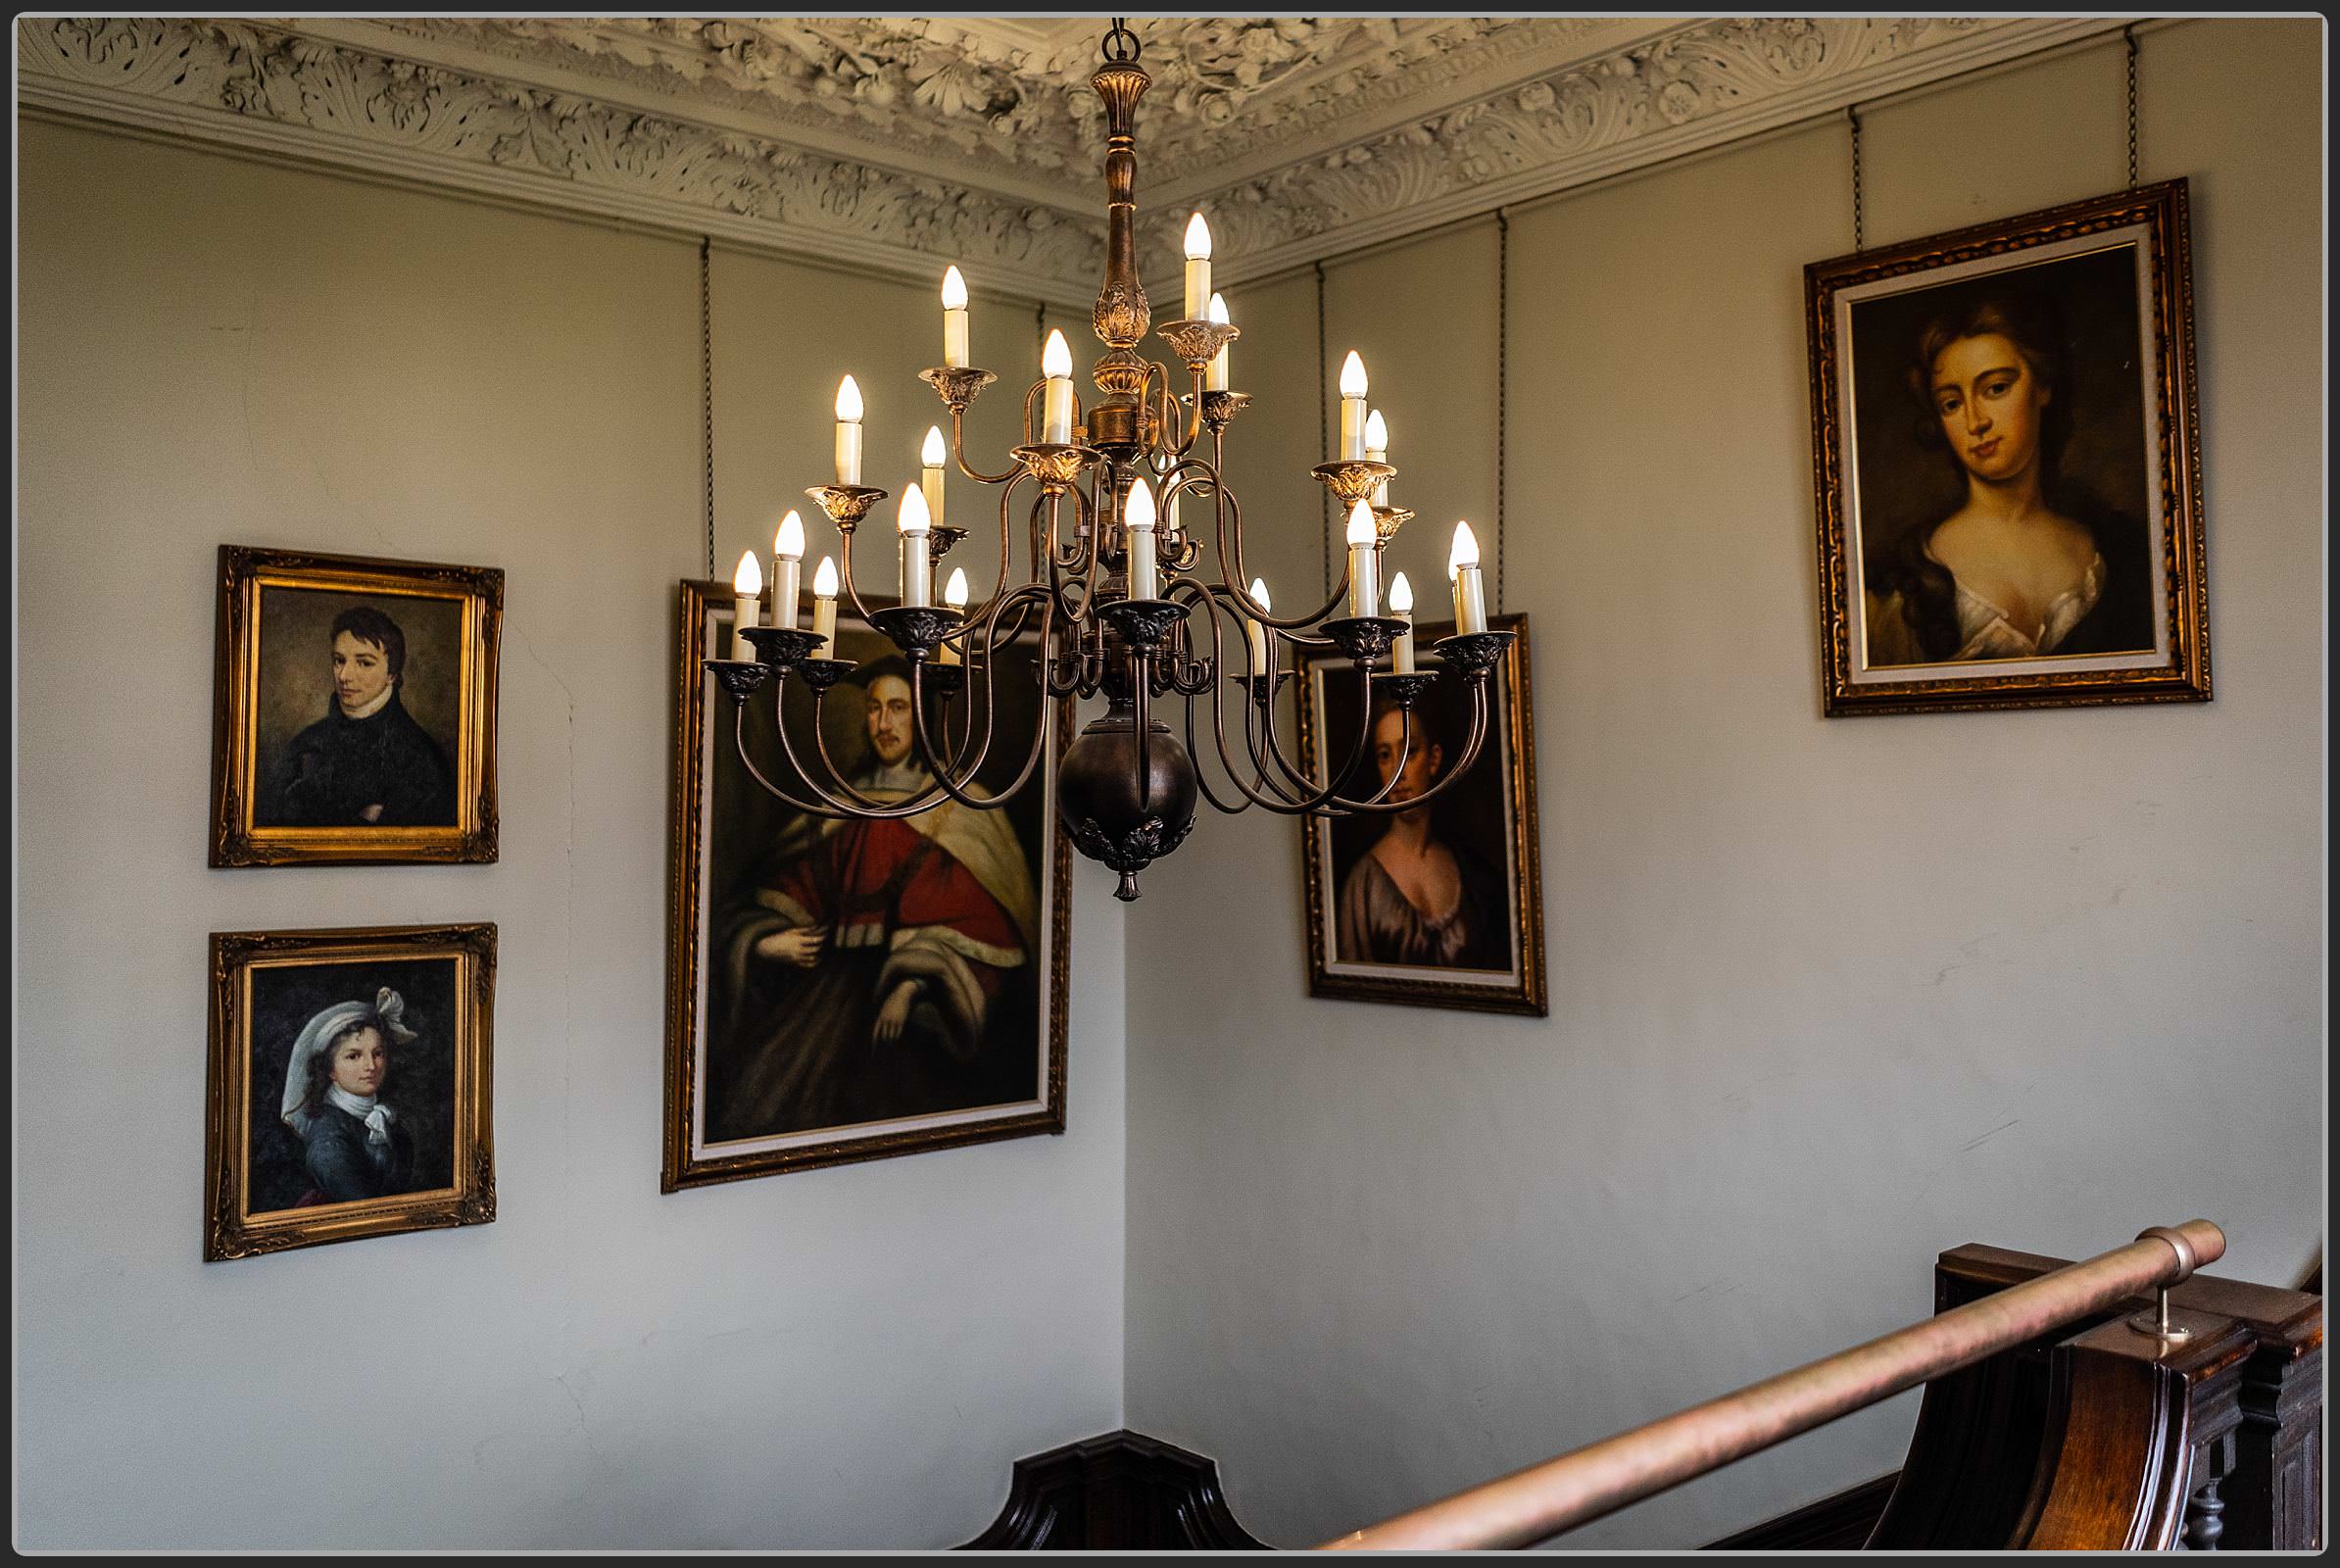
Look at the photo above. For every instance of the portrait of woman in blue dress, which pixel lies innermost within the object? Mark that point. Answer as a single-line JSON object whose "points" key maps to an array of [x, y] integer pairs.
{"points": [[333, 1100]]}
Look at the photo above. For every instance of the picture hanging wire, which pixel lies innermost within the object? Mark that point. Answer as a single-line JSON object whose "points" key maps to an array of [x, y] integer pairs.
{"points": [[1502, 382], [1852, 116], [706, 399], [1323, 429], [2128, 35]]}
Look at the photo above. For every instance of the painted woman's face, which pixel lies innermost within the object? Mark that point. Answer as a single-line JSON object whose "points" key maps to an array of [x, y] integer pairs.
{"points": [[1989, 404], [1422, 758], [361, 670], [360, 1062]]}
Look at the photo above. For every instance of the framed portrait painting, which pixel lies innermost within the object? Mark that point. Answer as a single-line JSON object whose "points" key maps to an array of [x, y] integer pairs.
{"points": [[1442, 906], [348, 1086], [844, 989], [353, 709], [2006, 456]]}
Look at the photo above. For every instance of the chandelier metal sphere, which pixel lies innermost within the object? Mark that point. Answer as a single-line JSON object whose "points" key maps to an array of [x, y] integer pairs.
{"points": [[1115, 583]]}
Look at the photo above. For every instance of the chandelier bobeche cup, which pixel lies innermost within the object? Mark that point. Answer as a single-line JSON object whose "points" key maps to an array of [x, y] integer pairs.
{"points": [[1119, 603]]}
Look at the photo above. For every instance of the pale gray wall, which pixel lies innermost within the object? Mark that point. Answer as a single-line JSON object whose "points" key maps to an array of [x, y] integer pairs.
{"points": [[212, 351], [1827, 996]]}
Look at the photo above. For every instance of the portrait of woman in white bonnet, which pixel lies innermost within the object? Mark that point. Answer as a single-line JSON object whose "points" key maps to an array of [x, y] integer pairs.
{"points": [[335, 1084]]}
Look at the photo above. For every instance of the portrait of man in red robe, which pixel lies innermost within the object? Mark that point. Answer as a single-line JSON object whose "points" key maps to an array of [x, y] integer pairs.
{"points": [[858, 976]]}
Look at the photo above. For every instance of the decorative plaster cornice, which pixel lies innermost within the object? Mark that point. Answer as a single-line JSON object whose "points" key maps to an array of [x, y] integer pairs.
{"points": [[1696, 87], [899, 144], [264, 89]]}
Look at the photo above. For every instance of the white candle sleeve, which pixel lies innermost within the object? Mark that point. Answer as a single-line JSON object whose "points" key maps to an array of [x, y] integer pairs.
{"points": [[1364, 581], [954, 319], [930, 480], [849, 451], [917, 569], [1057, 413], [1470, 602], [1353, 430], [743, 618], [785, 583], [824, 626]]}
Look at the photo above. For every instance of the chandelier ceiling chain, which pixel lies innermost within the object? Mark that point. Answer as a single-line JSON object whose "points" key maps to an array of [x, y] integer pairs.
{"points": [[1113, 591]]}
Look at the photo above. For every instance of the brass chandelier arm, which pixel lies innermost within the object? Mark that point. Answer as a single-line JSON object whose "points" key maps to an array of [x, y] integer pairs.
{"points": [[956, 790], [846, 555], [739, 739], [959, 450], [854, 802], [1480, 708], [1330, 795], [1233, 578]]}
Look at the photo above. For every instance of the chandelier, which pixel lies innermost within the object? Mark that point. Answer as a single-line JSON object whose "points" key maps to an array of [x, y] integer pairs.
{"points": [[1113, 583]]}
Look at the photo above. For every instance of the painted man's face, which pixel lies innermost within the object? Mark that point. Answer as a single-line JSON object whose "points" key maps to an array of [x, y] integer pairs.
{"points": [[361, 670], [889, 716]]}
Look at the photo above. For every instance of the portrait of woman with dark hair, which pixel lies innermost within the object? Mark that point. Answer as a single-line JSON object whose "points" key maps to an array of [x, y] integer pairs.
{"points": [[366, 762], [1432, 899], [333, 1086], [2027, 563], [1414, 896]]}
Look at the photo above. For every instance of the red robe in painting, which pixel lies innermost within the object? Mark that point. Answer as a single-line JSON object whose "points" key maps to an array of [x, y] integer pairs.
{"points": [[943, 900]]}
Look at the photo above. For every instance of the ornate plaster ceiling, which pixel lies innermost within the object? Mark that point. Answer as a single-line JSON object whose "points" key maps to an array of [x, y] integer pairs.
{"points": [[898, 142]]}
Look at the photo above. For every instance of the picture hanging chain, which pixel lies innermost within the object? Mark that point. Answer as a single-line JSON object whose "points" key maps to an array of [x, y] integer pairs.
{"points": [[1323, 429], [1852, 115], [1040, 324], [2128, 35], [706, 398], [1502, 384]]}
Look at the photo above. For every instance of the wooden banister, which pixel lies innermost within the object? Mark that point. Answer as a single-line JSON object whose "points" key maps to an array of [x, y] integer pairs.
{"points": [[1576, 1488]]}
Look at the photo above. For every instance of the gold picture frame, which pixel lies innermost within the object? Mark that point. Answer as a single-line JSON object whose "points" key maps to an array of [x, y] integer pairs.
{"points": [[2049, 359], [712, 884], [1488, 824], [291, 767], [281, 1001]]}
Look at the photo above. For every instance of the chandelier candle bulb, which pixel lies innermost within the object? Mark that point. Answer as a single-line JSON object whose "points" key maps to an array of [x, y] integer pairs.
{"points": [[1402, 605], [1258, 632], [1136, 526], [917, 568], [1197, 268], [1056, 419], [954, 319], [1215, 379], [1377, 450], [1353, 408], [747, 587], [954, 596], [848, 432], [788, 557], [1364, 569], [1470, 592], [824, 606], [932, 457]]}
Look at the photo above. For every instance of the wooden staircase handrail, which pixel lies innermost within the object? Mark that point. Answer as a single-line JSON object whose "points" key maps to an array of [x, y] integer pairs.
{"points": [[1541, 1501]]}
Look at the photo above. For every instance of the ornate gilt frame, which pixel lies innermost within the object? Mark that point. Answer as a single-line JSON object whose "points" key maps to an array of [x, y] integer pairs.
{"points": [[2169, 317], [687, 837], [1528, 995], [244, 572], [230, 1231]]}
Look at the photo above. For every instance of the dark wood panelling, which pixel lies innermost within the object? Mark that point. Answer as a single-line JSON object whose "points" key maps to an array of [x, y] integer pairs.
{"points": [[1121, 1492]]}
